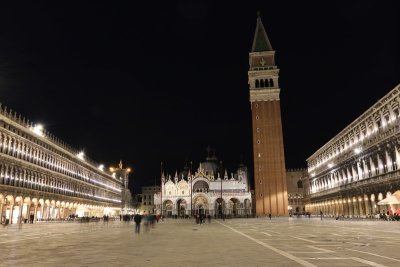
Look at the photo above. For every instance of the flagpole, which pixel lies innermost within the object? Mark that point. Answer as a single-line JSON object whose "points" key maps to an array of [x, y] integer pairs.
{"points": [[191, 190], [222, 201]]}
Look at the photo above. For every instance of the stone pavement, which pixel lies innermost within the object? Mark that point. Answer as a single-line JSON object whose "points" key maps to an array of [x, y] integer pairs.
{"points": [[233, 242]]}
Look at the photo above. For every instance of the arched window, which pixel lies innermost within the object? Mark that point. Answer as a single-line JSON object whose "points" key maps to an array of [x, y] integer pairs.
{"points": [[261, 83], [200, 186], [266, 83], [257, 83], [299, 184], [271, 82]]}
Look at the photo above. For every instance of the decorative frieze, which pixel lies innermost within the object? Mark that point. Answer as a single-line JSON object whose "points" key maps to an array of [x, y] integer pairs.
{"points": [[264, 95]]}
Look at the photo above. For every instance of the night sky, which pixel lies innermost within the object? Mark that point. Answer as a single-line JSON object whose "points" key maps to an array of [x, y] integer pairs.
{"points": [[156, 81]]}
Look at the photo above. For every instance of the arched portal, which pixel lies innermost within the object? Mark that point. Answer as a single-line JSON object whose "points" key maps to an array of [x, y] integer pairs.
{"points": [[40, 210], [17, 210], [219, 207], [181, 207], [234, 205], [168, 208], [1, 207], [247, 207], [25, 209], [7, 209], [200, 205]]}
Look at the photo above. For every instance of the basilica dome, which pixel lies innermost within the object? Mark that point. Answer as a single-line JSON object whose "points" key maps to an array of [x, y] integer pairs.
{"points": [[211, 164], [210, 167]]}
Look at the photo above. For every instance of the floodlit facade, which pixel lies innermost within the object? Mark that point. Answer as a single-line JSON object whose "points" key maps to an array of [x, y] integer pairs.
{"points": [[353, 173], [209, 191], [296, 191], [42, 178], [269, 157], [147, 200]]}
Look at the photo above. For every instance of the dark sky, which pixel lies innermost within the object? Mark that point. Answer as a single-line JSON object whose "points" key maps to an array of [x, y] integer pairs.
{"points": [[154, 81]]}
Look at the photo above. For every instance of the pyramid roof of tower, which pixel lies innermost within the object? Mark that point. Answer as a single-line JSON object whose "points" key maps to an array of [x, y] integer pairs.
{"points": [[261, 42]]}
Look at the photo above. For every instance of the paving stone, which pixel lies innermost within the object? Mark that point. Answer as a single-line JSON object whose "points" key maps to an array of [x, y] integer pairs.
{"points": [[180, 242]]}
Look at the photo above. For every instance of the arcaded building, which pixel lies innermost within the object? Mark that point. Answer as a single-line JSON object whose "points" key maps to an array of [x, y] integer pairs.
{"points": [[268, 151], [43, 177], [358, 167]]}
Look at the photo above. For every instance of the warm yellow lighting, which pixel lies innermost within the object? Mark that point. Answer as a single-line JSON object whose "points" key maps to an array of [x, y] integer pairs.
{"points": [[38, 129], [112, 169], [81, 155], [128, 170]]}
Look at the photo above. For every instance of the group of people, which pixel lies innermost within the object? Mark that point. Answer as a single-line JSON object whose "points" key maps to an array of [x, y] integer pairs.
{"points": [[149, 220], [390, 215], [200, 218]]}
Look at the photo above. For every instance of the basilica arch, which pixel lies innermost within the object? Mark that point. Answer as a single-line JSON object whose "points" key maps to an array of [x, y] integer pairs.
{"points": [[219, 206], [201, 204], [181, 207], [168, 208], [233, 207]]}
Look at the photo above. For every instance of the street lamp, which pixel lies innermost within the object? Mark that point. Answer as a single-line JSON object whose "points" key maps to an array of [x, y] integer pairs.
{"points": [[191, 189], [161, 187], [222, 201]]}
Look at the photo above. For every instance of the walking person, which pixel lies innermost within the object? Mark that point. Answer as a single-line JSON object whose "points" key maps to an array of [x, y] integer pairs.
{"points": [[269, 215], [138, 219], [321, 214]]}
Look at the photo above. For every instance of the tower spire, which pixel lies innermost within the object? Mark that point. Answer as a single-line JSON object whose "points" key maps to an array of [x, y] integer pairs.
{"points": [[260, 41]]}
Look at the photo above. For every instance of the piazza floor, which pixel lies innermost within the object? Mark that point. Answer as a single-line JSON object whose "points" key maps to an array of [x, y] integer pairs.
{"points": [[233, 242]]}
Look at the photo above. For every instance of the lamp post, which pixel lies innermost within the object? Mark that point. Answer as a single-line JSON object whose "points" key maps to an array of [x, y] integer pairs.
{"points": [[222, 211], [161, 187], [191, 190]]}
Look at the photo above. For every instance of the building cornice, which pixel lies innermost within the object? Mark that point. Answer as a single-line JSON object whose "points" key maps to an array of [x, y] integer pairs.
{"points": [[264, 95]]}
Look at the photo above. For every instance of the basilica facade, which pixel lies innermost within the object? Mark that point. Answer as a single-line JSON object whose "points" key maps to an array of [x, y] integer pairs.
{"points": [[210, 190]]}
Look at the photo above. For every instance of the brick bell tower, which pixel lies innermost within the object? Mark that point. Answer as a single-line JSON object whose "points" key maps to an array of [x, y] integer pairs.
{"points": [[269, 158]]}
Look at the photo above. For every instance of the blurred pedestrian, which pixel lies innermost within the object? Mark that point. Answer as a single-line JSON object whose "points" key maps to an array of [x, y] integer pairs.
{"points": [[138, 219]]}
